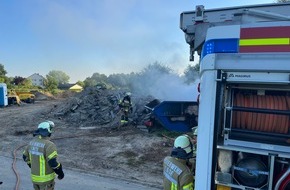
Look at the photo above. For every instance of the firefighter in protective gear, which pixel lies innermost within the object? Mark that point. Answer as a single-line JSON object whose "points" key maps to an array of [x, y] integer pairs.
{"points": [[41, 156], [194, 138], [126, 106], [177, 173]]}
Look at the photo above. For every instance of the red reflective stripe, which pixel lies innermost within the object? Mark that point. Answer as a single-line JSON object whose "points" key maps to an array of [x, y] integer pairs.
{"points": [[276, 48], [265, 32]]}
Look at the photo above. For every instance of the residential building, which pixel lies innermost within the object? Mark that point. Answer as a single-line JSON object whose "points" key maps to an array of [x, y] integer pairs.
{"points": [[37, 80]]}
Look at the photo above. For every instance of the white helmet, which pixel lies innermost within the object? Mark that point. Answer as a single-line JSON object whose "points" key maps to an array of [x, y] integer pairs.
{"points": [[183, 147], [128, 93], [48, 125]]}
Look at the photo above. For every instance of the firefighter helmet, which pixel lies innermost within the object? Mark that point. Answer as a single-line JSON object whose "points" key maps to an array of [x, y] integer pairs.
{"points": [[183, 147], [128, 93], [48, 125]]}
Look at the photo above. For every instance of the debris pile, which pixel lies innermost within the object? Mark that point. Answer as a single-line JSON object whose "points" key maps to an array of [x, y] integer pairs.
{"points": [[95, 107]]}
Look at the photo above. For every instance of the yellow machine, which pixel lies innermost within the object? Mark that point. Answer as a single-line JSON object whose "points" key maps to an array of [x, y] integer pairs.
{"points": [[26, 97], [13, 98]]}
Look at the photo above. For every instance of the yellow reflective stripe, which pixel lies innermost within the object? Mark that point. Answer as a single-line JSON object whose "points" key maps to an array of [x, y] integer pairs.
{"points": [[52, 155], [30, 158], [43, 178], [41, 165], [264, 41], [188, 186], [173, 186]]}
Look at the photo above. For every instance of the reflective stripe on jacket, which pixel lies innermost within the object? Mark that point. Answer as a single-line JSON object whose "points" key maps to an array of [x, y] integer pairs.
{"points": [[125, 103], [38, 152]]}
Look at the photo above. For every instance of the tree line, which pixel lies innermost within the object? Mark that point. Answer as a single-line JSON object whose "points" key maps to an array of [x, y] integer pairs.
{"points": [[134, 81]]}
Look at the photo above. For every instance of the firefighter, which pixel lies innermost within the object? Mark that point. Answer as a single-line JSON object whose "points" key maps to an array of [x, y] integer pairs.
{"points": [[41, 156], [194, 138], [176, 168], [126, 106]]}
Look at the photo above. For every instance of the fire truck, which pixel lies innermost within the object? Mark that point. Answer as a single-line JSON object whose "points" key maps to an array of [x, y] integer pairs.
{"points": [[244, 101]]}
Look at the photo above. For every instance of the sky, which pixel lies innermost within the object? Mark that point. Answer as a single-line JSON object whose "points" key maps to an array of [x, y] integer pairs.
{"points": [[82, 37]]}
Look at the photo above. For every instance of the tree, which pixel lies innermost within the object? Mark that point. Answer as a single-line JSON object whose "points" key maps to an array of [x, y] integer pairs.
{"points": [[95, 79], [282, 1], [119, 80], [191, 73], [81, 83], [156, 67], [59, 76], [18, 80], [2, 79], [9, 82], [50, 83], [151, 79], [3, 72], [26, 83]]}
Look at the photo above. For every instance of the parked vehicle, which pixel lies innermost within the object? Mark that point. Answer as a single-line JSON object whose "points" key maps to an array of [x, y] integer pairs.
{"points": [[13, 98], [26, 96]]}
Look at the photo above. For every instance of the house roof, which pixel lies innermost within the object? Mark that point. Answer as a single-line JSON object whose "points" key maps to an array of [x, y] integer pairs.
{"points": [[35, 74], [65, 86], [76, 87], [69, 86]]}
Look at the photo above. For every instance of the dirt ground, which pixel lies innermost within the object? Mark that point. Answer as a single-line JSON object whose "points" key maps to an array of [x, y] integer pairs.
{"points": [[127, 153]]}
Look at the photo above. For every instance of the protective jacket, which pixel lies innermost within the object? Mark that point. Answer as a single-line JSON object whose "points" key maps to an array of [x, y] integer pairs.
{"points": [[177, 175], [40, 155], [125, 103], [126, 106]]}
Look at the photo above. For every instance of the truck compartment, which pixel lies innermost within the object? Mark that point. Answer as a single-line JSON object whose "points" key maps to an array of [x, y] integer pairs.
{"points": [[257, 115], [244, 170]]}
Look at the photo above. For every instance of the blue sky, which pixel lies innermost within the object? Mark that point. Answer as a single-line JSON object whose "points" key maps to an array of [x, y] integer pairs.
{"points": [[82, 37]]}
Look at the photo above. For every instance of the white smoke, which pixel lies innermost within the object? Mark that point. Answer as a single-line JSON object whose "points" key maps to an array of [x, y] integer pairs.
{"points": [[164, 86]]}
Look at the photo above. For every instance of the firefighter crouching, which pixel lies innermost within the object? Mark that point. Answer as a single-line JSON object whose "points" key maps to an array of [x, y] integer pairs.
{"points": [[126, 106], [40, 155], [177, 168]]}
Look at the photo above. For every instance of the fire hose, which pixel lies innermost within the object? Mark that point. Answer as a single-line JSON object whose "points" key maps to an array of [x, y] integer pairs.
{"points": [[56, 138], [14, 167]]}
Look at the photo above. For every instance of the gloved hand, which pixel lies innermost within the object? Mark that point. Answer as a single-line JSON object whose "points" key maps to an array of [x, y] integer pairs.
{"points": [[60, 176], [59, 172]]}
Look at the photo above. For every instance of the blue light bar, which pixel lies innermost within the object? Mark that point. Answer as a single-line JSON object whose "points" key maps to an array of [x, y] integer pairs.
{"points": [[230, 45]]}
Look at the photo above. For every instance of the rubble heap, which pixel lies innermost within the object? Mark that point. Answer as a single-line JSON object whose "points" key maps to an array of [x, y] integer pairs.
{"points": [[95, 107]]}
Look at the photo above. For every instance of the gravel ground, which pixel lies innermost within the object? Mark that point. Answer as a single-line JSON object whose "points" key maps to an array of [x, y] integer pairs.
{"points": [[127, 153]]}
